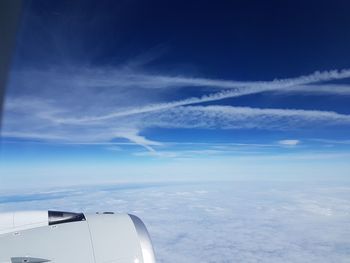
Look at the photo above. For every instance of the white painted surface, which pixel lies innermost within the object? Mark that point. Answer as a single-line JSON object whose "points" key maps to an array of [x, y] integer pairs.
{"points": [[101, 238], [114, 238], [16, 221], [65, 243]]}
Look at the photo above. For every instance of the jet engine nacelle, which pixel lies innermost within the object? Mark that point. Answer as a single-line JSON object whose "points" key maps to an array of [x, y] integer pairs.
{"points": [[62, 237]]}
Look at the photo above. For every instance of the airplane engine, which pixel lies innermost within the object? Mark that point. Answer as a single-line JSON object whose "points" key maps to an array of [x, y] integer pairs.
{"points": [[63, 237]]}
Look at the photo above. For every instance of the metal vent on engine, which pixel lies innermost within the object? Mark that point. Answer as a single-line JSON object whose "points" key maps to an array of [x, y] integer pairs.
{"points": [[58, 217], [28, 260]]}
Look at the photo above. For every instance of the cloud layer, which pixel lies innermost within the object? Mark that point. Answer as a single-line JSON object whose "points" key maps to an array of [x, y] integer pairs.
{"points": [[220, 222]]}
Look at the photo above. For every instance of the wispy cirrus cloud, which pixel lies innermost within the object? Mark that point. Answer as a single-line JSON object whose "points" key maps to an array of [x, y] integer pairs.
{"points": [[128, 78], [99, 105], [229, 117], [189, 117], [316, 77], [240, 89]]}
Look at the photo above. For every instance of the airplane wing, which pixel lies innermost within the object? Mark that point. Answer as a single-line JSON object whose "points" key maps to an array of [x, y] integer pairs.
{"points": [[63, 237]]}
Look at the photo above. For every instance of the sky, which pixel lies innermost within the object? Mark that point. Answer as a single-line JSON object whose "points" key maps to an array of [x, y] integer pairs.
{"points": [[150, 91], [221, 124]]}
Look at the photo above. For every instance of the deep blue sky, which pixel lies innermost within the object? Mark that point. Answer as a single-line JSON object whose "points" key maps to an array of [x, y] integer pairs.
{"points": [[166, 85], [219, 39]]}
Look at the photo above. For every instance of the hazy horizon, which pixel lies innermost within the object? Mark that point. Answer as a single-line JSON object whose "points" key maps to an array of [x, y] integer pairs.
{"points": [[224, 125]]}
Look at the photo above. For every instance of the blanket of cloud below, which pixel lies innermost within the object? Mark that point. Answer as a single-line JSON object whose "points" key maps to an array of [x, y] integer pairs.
{"points": [[220, 222]]}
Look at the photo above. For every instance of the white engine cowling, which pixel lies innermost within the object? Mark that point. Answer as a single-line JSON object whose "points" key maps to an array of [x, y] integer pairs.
{"points": [[15, 221], [61, 237]]}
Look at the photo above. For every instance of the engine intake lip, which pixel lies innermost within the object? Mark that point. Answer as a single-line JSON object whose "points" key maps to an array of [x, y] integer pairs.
{"points": [[145, 240]]}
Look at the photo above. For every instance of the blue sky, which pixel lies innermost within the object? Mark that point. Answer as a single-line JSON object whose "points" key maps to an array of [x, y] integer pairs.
{"points": [[178, 90]]}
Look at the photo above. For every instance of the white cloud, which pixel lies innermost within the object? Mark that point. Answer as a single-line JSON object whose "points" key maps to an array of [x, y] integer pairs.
{"points": [[220, 222], [335, 89], [228, 117], [124, 78], [133, 136], [240, 89], [98, 105], [200, 117], [289, 142]]}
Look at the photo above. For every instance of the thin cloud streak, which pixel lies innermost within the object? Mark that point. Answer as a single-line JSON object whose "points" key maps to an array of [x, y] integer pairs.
{"points": [[229, 117], [331, 89], [249, 88], [201, 117], [316, 77], [62, 118], [126, 78]]}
